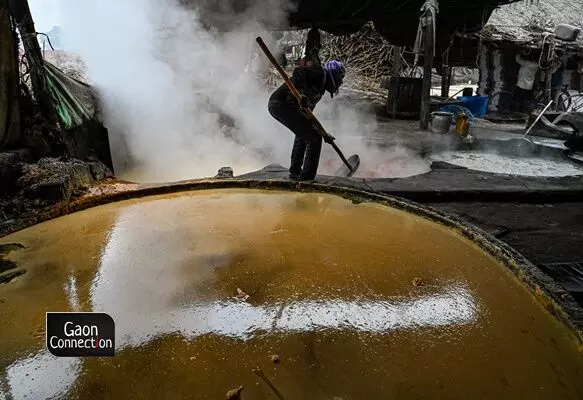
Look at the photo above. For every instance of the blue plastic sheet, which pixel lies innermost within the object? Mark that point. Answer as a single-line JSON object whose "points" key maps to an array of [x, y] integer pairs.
{"points": [[457, 110]]}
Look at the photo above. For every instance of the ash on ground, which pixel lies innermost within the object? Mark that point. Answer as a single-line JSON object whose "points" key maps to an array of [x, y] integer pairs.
{"points": [[500, 164]]}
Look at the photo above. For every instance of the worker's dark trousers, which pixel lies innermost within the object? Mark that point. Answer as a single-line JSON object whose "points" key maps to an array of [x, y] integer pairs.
{"points": [[520, 98], [305, 156]]}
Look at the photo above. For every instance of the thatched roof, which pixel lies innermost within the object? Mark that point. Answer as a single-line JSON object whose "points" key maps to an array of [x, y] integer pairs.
{"points": [[525, 22], [396, 20], [541, 13]]}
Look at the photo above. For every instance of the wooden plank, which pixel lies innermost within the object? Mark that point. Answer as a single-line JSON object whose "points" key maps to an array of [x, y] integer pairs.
{"points": [[396, 71], [548, 81], [392, 100], [445, 75], [21, 12], [9, 77], [427, 66]]}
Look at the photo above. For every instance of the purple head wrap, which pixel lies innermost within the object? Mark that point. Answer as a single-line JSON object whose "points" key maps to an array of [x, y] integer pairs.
{"points": [[334, 76]]}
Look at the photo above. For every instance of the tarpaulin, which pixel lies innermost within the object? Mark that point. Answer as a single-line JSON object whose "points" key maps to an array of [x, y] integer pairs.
{"points": [[73, 100]]}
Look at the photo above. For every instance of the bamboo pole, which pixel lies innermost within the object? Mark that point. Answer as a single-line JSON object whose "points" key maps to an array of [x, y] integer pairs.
{"points": [[395, 75], [427, 66], [548, 81], [445, 75], [396, 71], [9, 76]]}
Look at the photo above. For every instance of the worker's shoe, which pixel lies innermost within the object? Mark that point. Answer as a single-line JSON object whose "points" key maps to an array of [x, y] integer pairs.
{"points": [[306, 178], [300, 178], [312, 159]]}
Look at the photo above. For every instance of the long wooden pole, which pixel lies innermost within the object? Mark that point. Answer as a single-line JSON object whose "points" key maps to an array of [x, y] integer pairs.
{"points": [[548, 82], [21, 13], [9, 107], [395, 76], [396, 70], [445, 74], [537, 118], [427, 66]]}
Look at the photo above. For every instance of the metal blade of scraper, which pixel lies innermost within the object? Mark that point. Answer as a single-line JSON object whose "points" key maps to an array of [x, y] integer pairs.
{"points": [[344, 171]]}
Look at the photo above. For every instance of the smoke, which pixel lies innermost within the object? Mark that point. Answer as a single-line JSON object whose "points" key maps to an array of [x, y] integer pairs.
{"points": [[357, 131], [172, 89], [182, 88]]}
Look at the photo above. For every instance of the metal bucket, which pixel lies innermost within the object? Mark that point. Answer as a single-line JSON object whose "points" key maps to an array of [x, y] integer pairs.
{"points": [[440, 121]]}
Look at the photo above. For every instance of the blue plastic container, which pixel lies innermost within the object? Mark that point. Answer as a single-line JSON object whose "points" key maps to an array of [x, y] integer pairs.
{"points": [[478, 105]]}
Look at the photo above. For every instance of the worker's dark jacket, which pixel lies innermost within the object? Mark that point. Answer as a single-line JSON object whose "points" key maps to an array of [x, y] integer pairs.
{"points": [[284, 107], [309, 81]]}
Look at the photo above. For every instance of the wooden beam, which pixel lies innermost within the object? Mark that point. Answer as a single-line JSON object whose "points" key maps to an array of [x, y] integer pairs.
{"points": [[427, 66], [449, 75], [394, 81], [445, 75], [21, 13], [9, 77], [548, 81], [396, 70]]}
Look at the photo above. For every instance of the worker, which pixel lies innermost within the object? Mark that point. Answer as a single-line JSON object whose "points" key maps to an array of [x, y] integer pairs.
{"points": [[312, 82], [526, 77]]}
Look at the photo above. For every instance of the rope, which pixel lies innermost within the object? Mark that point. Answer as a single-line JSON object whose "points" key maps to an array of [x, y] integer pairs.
{"points": [[48, 39]]}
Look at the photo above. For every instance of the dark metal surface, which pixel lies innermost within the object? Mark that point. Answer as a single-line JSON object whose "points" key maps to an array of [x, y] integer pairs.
{"points": [[569, 275], [344, 171]]}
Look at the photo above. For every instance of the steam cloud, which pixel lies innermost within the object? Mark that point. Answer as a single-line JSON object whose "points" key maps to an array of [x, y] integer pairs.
{"points": [[180, 90]]}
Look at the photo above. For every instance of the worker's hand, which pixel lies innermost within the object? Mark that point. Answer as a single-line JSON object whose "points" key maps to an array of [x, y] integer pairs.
{"points": [[305, 102], [329, 138]]}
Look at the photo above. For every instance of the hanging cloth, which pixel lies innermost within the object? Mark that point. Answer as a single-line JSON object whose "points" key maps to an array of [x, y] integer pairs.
{"points": [[429, 10]]}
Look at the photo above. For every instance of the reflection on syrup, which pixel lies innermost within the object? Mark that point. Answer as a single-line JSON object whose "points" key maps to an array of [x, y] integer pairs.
{"points": [[356, 300]]}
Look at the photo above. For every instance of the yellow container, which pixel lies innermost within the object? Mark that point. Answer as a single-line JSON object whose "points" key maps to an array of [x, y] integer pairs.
{"points": [[462, 125]]}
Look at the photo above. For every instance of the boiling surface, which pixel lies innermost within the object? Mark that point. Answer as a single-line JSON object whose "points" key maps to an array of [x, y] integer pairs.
{"points": [[354, 301]]}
